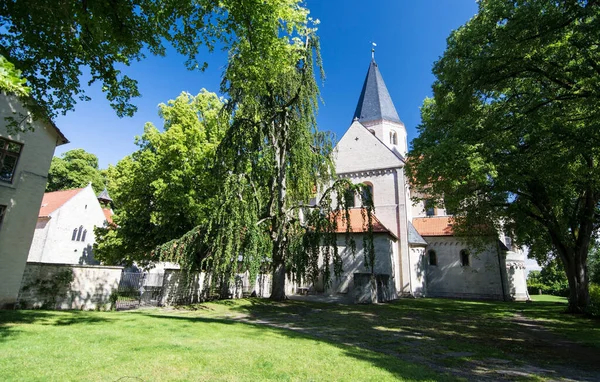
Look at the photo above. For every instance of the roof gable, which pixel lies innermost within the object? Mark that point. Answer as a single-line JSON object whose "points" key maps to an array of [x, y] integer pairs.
{"points": [[358, 223], [360, 150], [54, 200], [375, 103]]}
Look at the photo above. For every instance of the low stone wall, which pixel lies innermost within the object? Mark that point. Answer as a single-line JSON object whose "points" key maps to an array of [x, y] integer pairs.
{"points": [[66, 286], [180, 289]]}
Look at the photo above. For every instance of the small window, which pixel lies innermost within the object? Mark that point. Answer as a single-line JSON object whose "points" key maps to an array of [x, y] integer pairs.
{"points": [[2, 212], [429, 208], [79, 232], [74, 235], [367, 193], [393, 138], [349, 198], [9, 156], [432, 257], [464, 258], [83, 236]]}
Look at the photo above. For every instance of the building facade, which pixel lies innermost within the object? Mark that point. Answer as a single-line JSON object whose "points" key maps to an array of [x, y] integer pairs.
{"points": [[64, 233], [426, 258], [25, 156]]}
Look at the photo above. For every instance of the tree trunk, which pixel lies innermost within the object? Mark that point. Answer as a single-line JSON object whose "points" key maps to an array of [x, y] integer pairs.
{"points": [[579, 295], [278, 286]]}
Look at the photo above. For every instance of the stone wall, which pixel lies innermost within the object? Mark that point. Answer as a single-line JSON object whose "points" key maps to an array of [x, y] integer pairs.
{"points": [[90, 288]]}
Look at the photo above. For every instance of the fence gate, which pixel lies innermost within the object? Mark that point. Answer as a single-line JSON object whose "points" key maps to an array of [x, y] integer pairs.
{"points": [[139, 289]]}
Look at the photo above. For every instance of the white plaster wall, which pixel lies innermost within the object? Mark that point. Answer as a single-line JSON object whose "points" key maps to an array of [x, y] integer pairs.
{"points": [[22, 197], [382, 131], [418, 266], [55, 245], [90, 289], [516, 275], [385, 252], [482, 279]]}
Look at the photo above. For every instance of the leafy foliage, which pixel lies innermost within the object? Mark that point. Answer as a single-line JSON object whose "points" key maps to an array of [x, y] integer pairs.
{"points": [[75, 169], [510, 139], [164, 189], [550, 280], [10, 79]]}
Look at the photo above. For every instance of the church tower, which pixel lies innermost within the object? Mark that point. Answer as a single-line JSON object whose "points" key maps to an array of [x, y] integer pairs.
{"points": [[375, 110]]}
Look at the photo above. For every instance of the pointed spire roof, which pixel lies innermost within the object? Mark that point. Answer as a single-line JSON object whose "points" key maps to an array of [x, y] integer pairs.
{"points": [[104, 197], [375, 103]]}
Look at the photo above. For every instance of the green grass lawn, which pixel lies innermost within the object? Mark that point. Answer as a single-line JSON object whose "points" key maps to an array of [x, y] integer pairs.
{"points": [[254, 339]]}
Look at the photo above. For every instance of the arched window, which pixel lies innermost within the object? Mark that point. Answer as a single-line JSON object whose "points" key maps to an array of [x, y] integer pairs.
{"points": [[393, 138], [464, 258], [74, 235], [79, 232], [367, 193], [429, 208], [432, 257], [349, 198], [83, 236]]}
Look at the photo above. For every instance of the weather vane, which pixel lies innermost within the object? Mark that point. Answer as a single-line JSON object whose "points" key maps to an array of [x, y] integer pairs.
{"points": [[373, 50]]}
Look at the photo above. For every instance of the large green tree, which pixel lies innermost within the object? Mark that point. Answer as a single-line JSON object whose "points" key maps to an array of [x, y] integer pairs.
{"points": [[73, 169], [272, 160], [511, 137], [53, 42], [164, 189]]}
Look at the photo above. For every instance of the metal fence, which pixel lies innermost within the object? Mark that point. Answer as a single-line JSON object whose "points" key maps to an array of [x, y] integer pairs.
{"points": [[139, 289]]}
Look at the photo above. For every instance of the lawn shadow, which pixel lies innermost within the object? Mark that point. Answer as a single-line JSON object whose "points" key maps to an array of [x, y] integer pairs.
{"points": [[401, 369], [11, 320], [469, 339]]}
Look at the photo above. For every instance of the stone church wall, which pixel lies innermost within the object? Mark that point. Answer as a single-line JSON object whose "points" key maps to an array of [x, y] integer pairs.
{"points": [[479, 280]]}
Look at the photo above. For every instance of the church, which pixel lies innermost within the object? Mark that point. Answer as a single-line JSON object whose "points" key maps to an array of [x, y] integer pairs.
{"points": [[417, 253]]}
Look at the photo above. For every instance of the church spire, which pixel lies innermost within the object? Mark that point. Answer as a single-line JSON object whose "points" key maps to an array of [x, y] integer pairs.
{"points": [[375, 103]]}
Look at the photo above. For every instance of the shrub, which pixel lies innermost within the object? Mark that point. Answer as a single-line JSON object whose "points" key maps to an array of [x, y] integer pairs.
{"points": [[594, 308]]}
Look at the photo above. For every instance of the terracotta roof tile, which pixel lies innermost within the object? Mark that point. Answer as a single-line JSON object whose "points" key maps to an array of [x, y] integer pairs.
{"points": [[54, 200], [434, 226], [358, 223], [108, 215]]}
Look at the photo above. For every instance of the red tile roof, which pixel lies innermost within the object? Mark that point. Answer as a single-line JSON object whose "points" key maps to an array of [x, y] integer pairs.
{"points": [[108, 215], [434, 226], [358, 223], [54, 200]]}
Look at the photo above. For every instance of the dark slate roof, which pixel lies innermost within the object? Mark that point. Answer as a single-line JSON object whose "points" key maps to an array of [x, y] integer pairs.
{"points": [[413, 235], [375, 102], [104, 196]]}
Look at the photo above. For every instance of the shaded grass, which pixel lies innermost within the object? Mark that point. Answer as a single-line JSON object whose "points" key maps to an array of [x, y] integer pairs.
{"points": [[167, 345]]}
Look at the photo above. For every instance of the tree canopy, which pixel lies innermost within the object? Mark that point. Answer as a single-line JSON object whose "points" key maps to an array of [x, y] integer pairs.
{"points": [[510, 139], [164, 189], [74, 169]]}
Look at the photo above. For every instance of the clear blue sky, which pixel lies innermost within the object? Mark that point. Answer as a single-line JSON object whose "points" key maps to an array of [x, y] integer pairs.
{"points": [[410, 37]]}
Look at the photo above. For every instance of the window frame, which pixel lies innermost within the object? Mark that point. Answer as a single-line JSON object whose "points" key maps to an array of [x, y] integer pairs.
{"points": [[465, 255], [372, 191], [4, 152], [435, 259]]}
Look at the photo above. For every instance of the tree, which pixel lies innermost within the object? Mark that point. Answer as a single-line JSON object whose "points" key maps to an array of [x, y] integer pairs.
{"points": [[74, 169], [272, 160], [511, 138], [164, 189], [551, 279]]}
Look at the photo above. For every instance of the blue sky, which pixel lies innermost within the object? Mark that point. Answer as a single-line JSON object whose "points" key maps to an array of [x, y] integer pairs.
{"points": [[410, 37]]}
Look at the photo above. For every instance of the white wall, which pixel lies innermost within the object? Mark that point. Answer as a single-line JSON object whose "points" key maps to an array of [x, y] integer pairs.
{"points": [[52, 241], [22, 197], [90, 289], [385, 263], [481, 279]]}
